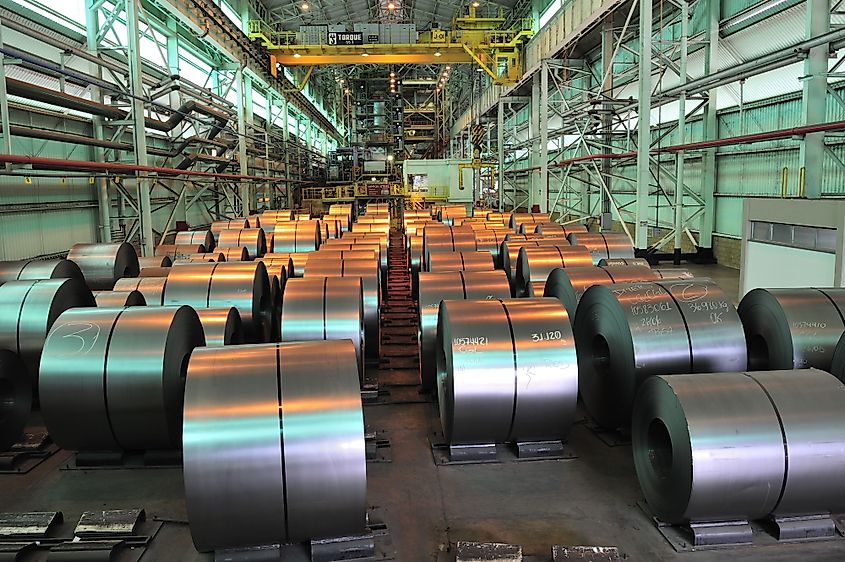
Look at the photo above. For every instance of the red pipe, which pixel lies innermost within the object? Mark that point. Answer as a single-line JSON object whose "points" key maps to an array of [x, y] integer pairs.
{"points": [[741, 139], [56, 163]]}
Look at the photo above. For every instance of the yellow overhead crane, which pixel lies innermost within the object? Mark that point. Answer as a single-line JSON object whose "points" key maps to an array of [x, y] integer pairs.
{"points": [[472, 39]]}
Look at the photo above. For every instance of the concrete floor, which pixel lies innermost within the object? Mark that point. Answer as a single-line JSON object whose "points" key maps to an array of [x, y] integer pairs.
{"points": [[589, 500]]}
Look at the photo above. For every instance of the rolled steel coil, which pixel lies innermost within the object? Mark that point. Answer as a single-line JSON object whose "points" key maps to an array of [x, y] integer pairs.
{"points": [[125, 371], [119, 299], [296, 237], [504, 218], [252, 221], [276, 299], [332, 228], [236, 224], [792, 328], [518, 219], [244, 285], [509, 252], [282, 215], [568, 285], [623, 261], [671, 273], [28, 310], [368, 271], [547, 228], [252, 239], [440, 262], [103, 264], [302, 217], [207, 257], [233, 254], [507, 371], [355, 244], [39, 269], [154, 261], [221, 326], [15, 398], [740, 446], [195, 237], [554, 238], [490, 241], [448, 239], [295, 410], [178, 252], [325, 308], [294, 263], [153, 272], [534, 265], [452, 285], [415, 253], [334, 252], [603, 245], [151, 287], [630, 331]]}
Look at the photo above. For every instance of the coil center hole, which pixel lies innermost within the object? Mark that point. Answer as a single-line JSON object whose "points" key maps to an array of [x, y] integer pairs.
{"points": [[7, 399], [758, 353], [601, 355], [660, 448]]}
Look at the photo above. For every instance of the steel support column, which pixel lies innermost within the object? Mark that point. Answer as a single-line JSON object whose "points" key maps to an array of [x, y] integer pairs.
{"points": [[814, 99], [644, 126], [533, 139], [4, 101], [607, 54], [541, 191], [136, 90], [711, 125], [682, 123], [240, 108], [500, 148]]}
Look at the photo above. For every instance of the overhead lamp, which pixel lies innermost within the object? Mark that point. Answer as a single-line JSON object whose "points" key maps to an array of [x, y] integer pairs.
{"points": [[393, 80], [390, 158], [437, 53], [365, 54], [448, 67], [296, 55], [391, 6], [437, 90], [476, 4], [392, 74], [305, 6]]}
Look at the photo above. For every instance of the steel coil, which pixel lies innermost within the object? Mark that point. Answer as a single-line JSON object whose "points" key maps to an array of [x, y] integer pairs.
{"points": [[518, 219], [415, 252], [623, 261], [334, 252], [15, 398], [440, 262], [221, 225], [733, 446], [244, 285], [295, 263], [39, 269], [125, 369], [568, 285], [453, 285], [103, 264], [28, 310], [296, 237], [151, 287], [221, 326], [251, 238], [507, 371], [332, 228], [534, 265], [233, 254], [178, 252], [271, 217], [298, 477], [154, 261], [204, 238], [152, 272], [671, 273], [325, 308], [630, 331], [207, 257], [119, 299], [490, 241], [368, 271], [792, 328], [548, 228], [504, 218], [603, 245], [448, 239], [362, 244]]}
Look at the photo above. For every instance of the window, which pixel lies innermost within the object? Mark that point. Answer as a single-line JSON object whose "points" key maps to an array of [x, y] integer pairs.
{"points": [[550, 12]]}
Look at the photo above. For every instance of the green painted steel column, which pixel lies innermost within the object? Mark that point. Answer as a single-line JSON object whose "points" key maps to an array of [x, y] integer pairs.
{"points": [[240, 108], [541, 191], [643, 126], [500, 139], [4, 102], [607, 53], [136, 88], [180, 211], [534, 139], [682, 123], [711, 125], [814, 99], [92, 26]]}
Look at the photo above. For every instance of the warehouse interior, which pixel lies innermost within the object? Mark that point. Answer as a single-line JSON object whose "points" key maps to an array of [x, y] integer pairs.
{"points": [[422, 280]]}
